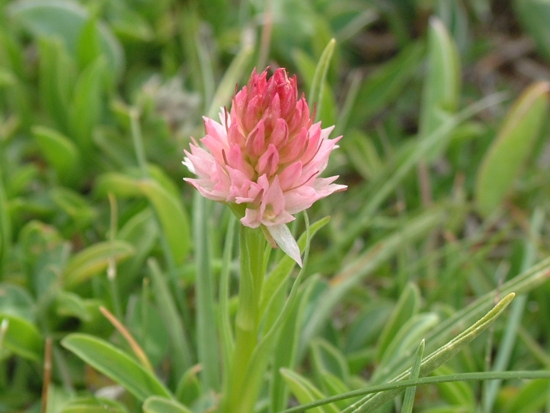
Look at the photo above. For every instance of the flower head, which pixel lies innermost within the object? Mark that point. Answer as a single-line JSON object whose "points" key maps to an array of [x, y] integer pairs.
{"points": [[265, 157]]}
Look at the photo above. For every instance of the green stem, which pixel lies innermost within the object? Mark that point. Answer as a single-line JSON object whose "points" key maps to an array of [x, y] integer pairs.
{"points": [[252, 246]]}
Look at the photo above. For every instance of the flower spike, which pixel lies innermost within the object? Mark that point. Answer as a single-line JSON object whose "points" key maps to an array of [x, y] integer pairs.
{"points": [[265, 157]]}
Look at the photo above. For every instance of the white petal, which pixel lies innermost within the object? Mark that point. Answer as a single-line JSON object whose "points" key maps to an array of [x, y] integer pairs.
{"points": [[284, 239], [187, 162]]}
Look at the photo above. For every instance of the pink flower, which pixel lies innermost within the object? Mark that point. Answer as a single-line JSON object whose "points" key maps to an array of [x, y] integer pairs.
{"points": [[265, 157]]}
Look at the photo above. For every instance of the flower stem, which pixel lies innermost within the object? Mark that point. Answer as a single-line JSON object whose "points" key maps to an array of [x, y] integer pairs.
{"points": [[252, 246]]}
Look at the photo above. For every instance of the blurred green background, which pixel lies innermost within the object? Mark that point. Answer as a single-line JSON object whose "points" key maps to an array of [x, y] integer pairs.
{"points": [[444, 110]]}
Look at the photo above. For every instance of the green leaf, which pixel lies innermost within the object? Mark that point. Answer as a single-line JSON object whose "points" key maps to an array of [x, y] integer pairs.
{"points": [[277, 277], [307, 68], [155, 404], [465, 377], [437, 358], [206, 328], [60, 152], [284, 352], [89, 44], [66, 20], [327, 358], [20, 336], [306, 392], [94, 259], [56, 79], [147, 327], [456, 393], [406, 307], [386, 84], [520, 284], [116, 364], [449, 409], [333, 386], [85, 108], [17, 301], [172, 216], [74, 205], [5, 222], [92, 405], [362, 154], [189, 387], [71, 305], [232, 75], [442, 84], [142, 222], [363, 266], [529, 399], [387, 183], [367, 325], [511, 148], [130, 25], [6, 78], [161, 176], [533, 16], [181, 350], [413, 330], [408, 400], [378, 395], [118, 184], [319, 78]]}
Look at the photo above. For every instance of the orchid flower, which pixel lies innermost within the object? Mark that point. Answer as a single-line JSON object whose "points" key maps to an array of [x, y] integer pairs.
{"points": [[264, 158]]}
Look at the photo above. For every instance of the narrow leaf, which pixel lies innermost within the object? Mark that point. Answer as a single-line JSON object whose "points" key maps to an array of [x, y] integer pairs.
{"points": [[95, 259], [66, 19], [60, 152], [462, 377], [435, 359], [512, 147], [319, 78], [232, 75], [442, 83], [117, 365], [305, 391], [386, 84], [155, 404], [408, 401], [208, 351], [406, 307], [20, 336], [118, 184], [172, 217], [277, 277], [86, 104], [181, 350]]}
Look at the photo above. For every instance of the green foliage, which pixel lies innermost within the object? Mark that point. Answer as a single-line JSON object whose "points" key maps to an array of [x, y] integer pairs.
{"points": [[532, 15], [442, 83], [444, 151], [117, 365], [512, 147]]}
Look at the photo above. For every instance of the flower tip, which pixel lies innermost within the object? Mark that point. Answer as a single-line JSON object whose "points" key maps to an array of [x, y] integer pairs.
{"points": [[187, 162]]}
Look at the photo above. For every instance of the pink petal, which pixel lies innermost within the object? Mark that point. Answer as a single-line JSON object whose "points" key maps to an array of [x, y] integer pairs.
{"points": [[268, 162], [289, 175]]}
